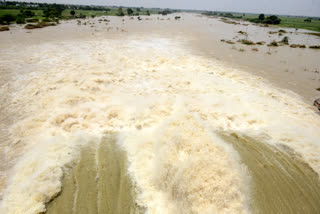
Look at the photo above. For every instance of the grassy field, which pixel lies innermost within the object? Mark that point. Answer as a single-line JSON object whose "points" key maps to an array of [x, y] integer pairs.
{"points": [[16, 12], [293, 22], [289, 21], [89, 13], [299, 23]]}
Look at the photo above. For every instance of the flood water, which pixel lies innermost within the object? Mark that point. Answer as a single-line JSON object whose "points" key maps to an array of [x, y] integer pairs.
{"points": [[157, 116]]}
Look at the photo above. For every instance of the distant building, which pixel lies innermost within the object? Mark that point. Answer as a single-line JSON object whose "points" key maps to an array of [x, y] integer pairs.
{"points": [[32, 5]]}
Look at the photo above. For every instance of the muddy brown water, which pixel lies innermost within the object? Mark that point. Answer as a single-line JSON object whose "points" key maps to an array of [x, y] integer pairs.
{"points": [[99, 183], [90, 187]]}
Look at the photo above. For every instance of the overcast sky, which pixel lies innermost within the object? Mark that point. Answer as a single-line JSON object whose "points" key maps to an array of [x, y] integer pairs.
{"points": [[289, 7]]}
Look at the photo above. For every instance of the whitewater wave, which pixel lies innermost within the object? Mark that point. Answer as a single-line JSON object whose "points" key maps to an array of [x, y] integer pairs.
{"points": [[168, 108]]}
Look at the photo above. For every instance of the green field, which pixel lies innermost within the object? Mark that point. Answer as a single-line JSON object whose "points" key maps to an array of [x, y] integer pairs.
{"points": [[292, 22], [89, 13], [299, 23], [16, 12], [287, 21]]}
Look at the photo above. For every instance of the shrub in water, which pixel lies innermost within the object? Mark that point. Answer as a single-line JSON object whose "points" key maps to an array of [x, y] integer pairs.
{"points": [[20, 20], [247, 42], [4, 28], [274, 44], [285, 40]]}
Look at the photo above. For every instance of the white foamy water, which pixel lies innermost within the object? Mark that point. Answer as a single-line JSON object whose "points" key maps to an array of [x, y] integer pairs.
{"points": [[165, 103]]}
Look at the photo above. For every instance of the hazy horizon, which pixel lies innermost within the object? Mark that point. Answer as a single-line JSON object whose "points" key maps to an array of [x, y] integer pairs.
{"points": [[283, 7]]}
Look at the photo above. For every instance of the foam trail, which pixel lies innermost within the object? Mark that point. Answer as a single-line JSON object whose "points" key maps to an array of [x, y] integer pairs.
{"points": [[184, 168], [178, 167], [168, 108], [38, 175]]}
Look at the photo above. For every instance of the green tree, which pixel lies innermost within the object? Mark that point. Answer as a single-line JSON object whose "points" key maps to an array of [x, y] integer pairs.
{"points": [[20, 19], [120, 12], [82, 16], [261, 16], [307, 20], [129, 11], [229, 15], [72, 12], [148, 13], [138, 9], [272, 20], [26, 13], [7, 18], [53, 10], [165, 12], [285, 40]]}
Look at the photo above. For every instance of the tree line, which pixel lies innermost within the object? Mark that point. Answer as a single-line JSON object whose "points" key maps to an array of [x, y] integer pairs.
{"points": [[274, 20], [50, 13]]}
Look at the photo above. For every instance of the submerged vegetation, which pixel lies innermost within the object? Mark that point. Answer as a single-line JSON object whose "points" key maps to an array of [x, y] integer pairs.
{"points": [[297, 46], [4, 28], [315, 47], [285, 40], [243, 33], [230, 42], [273, 44], [246, 42], [39, 25]]}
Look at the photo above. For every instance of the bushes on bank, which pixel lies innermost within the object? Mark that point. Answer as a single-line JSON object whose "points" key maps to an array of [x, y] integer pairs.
{"points": [[274, 20], [120, 12], [7, 19], [20, 20]]}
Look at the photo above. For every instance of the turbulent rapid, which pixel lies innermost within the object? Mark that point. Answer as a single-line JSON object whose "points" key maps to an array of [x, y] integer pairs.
{"points": [[144, 125]]}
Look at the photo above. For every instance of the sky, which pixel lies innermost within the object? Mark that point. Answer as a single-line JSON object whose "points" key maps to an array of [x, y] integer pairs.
{"points": [[285, 7]]}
